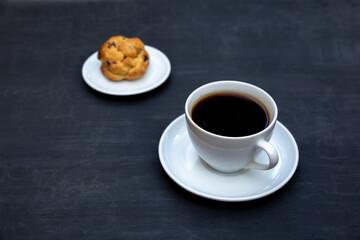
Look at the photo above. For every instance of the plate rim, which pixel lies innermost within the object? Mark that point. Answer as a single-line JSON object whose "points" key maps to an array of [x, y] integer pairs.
{"points": [[128, 93], [222, 198]]}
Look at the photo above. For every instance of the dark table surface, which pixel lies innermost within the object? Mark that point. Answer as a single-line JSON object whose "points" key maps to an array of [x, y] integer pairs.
{"points": [[78, 164]]}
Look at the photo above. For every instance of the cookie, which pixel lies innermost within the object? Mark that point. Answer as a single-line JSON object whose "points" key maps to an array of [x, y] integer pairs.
{"points": [[123, 58]]}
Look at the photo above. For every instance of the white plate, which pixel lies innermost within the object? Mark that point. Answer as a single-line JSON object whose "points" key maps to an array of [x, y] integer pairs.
{"points": [[158, 71], [182, 164]]}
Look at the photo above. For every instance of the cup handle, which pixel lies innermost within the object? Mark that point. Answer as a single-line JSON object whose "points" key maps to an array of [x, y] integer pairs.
{"points": [[272, 154]]}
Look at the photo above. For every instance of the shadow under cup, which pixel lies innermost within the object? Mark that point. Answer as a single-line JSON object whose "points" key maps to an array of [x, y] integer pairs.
{"points": [[231, 154]]}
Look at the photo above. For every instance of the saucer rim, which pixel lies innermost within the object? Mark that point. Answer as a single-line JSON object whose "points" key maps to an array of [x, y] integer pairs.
{"points": [[156, 84], [219, 197]]}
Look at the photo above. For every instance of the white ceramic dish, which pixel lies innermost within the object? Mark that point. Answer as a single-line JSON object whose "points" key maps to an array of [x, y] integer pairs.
{"points": [[157, 73], [182, 164]]}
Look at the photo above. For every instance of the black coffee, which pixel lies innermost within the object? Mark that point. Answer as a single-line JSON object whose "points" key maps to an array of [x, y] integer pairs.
{"points": [[230, 114]]}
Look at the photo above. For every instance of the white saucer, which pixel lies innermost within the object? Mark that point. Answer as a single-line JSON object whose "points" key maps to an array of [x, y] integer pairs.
{"points": [[182, 164], [157, 73]]}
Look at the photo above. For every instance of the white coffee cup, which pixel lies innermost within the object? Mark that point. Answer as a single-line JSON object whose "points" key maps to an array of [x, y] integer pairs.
{"points": [[232, 154]]}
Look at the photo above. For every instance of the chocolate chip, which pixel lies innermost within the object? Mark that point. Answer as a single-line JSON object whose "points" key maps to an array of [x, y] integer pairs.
{"points": [[111, 44], [145, 58]]}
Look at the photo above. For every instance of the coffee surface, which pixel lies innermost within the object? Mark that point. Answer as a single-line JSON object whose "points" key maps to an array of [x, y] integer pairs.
{"points": [[230, 114]]}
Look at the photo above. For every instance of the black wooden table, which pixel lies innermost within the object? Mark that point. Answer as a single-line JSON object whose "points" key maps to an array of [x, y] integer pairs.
{"points": [[78, 164]]}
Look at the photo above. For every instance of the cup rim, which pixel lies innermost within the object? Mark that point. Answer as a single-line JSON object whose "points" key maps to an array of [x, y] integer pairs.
{"points": [[188, 115]]}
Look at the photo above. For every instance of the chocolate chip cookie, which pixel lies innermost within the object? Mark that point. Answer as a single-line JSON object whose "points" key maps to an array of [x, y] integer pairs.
{"points": [[123, 58]]}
